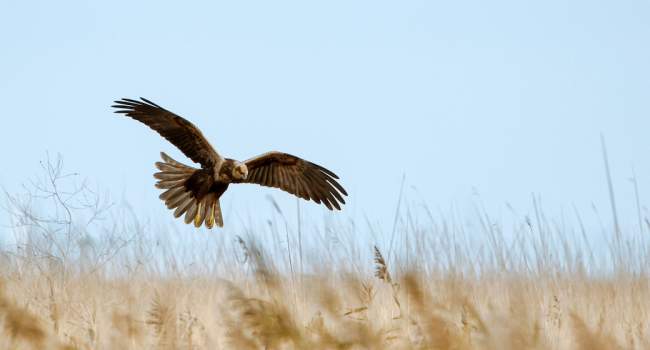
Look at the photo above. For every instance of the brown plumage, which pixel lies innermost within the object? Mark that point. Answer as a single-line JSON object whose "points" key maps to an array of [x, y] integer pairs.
{"points": [[297, 176], [195, 192]]}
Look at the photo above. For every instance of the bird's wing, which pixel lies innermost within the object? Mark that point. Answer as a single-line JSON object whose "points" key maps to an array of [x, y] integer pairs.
{"points": [[177, 130], [296, 176]]}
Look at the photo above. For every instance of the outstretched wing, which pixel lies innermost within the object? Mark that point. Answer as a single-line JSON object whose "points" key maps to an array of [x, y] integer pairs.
{"points": [[177, 130], [296, 176]]}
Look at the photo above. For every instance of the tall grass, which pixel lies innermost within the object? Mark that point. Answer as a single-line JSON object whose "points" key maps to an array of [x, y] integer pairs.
{"points": [[80, 273]]}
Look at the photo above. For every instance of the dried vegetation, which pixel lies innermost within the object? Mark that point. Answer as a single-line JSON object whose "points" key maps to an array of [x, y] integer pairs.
{"points": [[89, 275]]}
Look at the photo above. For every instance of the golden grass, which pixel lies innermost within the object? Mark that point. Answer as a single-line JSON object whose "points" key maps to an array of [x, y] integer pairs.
{"points": [[329, 310], [66, 284]]}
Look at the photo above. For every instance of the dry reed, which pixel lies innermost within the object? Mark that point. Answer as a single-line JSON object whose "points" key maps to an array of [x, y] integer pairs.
{"points": [[134, 286]]}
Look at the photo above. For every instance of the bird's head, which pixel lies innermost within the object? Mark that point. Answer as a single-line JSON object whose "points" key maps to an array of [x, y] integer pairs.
{"points": [[240, 171]]}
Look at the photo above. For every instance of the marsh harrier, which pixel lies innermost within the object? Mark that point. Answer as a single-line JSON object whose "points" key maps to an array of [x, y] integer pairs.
{"points": [[196, 192]]}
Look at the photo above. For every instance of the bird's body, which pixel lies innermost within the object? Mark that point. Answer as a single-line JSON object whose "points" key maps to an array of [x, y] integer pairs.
{"points": [[195, 192]]}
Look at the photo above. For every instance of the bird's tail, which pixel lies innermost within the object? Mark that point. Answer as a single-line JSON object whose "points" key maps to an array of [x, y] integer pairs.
{"points": [[172, 178]]}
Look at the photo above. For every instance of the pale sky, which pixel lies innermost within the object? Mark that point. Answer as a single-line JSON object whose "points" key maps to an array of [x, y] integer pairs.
{"points": [[500, 98]]}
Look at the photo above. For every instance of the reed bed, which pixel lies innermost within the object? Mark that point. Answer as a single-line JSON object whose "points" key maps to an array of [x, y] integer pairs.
{"points": [[328, 310], [80, 273]]}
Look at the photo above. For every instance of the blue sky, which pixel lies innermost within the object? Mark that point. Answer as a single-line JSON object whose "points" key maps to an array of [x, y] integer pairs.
{"points": [[500, 98]]}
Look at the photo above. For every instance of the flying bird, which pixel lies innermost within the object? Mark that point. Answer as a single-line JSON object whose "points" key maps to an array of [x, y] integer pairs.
{"points": [[195, 192]]}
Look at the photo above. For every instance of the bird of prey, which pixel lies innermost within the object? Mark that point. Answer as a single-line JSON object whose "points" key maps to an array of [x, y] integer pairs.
{"points": [[196, 192]]}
